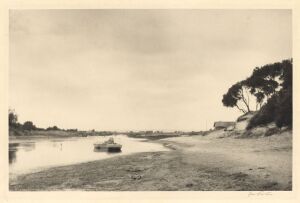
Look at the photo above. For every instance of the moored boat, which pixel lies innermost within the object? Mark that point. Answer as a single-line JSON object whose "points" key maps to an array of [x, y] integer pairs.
{"points": [[109, 146]]}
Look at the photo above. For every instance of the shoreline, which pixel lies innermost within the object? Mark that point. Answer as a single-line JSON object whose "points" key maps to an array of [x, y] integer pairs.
{"points": [[192, 164], [148, 171]]}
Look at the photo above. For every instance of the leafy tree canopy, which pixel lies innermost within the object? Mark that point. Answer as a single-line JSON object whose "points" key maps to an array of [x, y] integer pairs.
{"points": [[264, 82]]}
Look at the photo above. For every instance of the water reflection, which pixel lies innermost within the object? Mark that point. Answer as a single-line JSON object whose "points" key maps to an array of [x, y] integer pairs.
{"points": [[106, 151], [14, 147], [12, 157], [28, 146], [35, 155], [58, 145]]}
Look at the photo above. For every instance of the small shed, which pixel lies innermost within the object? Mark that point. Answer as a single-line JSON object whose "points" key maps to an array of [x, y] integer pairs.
{"points": [[223, 125]]}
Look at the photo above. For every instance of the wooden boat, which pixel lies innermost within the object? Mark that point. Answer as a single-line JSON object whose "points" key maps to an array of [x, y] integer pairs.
{"points": [[109, 146]]}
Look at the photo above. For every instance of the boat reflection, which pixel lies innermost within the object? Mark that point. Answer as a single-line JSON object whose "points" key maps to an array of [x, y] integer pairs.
{"points": [[107, 151]]}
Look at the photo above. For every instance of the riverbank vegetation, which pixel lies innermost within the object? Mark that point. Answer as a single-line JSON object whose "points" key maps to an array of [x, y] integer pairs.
{"points": [[270, 86], [28, 128]]}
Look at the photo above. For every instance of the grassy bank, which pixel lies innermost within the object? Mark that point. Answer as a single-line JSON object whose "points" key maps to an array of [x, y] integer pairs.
{"points": [[13, 133]]}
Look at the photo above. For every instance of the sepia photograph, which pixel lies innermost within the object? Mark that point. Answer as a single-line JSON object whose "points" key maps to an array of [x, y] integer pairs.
{"points": [[150, 100]]}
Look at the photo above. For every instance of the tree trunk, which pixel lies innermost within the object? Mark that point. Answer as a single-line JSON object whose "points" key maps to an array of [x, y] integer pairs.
{"points": [[242, 110], [244, 100]]}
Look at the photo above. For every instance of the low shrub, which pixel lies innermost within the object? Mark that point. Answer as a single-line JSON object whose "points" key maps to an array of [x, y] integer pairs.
{"points": [[278, 109], [265, 115]]}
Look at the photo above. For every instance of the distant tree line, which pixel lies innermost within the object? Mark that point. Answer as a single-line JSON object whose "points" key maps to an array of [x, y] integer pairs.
{"points": [[14, 124], [271, 88], [27, 125]]}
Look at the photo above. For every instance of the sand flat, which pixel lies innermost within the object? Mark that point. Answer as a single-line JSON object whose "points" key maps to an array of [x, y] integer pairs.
{"points": [[195, 163]]}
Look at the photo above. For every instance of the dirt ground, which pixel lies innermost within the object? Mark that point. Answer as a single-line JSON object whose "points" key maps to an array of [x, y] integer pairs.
{"points": [[197, 163]]}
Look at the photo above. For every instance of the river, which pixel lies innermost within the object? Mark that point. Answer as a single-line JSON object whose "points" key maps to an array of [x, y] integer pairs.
{"points": [[37, 154]]}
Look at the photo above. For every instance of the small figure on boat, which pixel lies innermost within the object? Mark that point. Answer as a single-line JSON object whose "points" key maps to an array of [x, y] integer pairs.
{"points": [[110, 141], [109, 146]]}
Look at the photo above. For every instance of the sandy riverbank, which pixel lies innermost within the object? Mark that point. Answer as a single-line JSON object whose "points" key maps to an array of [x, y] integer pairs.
{"points": [[195, 163]]}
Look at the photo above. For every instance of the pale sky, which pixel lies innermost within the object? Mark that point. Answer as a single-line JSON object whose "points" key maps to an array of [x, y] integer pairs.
{"points": [[137, 69]]}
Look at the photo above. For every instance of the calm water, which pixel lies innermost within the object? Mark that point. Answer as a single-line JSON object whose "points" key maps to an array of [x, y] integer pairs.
{"points": [[35, 155]]}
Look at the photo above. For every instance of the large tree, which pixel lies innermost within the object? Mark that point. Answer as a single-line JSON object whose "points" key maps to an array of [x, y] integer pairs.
{"points": [[12, 117], [238, 96], [263, 83]]}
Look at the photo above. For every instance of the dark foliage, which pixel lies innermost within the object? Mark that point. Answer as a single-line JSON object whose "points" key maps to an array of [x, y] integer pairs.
{"points": [[279, 108], [264, 83], [12, 118], [234, 95], [17, 127], [28, 125], [284, 110], [53, 128], [266, 114], [72, 130]]}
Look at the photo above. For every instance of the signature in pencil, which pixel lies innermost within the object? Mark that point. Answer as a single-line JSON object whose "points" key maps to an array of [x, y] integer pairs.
{"points": [[260, 193]]}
